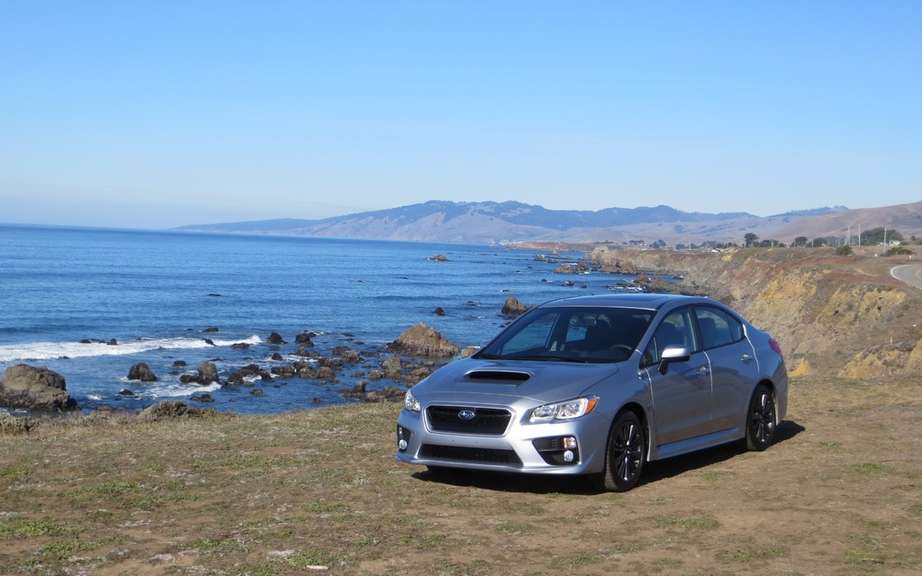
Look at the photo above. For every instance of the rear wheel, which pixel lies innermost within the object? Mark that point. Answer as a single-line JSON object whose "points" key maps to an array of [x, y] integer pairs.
{"points": [[760, 420], [627, 444]]}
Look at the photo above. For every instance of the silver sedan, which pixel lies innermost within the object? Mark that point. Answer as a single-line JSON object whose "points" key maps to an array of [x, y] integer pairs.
{"points": [[600, 385]]}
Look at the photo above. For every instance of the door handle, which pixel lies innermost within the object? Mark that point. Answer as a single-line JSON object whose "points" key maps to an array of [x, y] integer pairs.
{"points": [[746, 358]]}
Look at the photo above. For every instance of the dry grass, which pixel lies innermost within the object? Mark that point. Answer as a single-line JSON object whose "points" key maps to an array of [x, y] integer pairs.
{"points": [[840, 494]]}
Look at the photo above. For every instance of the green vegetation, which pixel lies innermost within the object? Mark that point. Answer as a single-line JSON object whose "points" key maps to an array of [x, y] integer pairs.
{"points": [[844, 250], [898, 251]]}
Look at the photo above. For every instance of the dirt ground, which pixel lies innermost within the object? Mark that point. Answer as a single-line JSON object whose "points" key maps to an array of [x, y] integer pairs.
{"points": [[840, 493]]}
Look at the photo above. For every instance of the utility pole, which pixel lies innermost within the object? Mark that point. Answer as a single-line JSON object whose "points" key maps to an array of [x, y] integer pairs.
{"points": [[849, 237], [885, 236], [859, 235]]}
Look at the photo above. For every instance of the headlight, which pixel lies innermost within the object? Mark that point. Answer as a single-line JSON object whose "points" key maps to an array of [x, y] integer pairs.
{"points": [[410, 402], [563, 410]]}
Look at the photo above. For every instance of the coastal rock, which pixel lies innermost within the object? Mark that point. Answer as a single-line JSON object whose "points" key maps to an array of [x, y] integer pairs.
{"points": [[389, 393], [275, 338], [257, 392], [305, 338], [439, 311], [239, 376], [375, 374], [512, 307], [438, 258], [283, 371], [39, 389], [326, 373], [142, 372], [172, 409], [179, 364], [469, 351], [211, 329], [391, 366], [209, 341], [126, 393], [240, 346], [305, 350], [423, 340], [112, 342], [205, 397], [276, 356], [347, 354], [208, 373], [356, 391], [416, 375]]}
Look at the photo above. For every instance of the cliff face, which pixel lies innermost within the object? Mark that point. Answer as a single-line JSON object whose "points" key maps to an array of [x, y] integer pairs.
{"points": [[833, 315]]}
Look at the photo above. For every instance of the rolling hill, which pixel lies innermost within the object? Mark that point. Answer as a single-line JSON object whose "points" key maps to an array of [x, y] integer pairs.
{"points": [[498, 222]]}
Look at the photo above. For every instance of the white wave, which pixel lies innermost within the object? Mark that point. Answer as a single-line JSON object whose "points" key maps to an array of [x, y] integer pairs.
{"points": [[95, 397], [175, 389], [51, 350]]}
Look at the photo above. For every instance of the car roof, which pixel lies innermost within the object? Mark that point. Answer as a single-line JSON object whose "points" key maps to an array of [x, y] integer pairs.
{"points": [[650, 301]]}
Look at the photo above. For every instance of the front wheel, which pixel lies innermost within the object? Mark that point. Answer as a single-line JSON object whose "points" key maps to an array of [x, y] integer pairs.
{"points": [[627, 444], [760, 420]]}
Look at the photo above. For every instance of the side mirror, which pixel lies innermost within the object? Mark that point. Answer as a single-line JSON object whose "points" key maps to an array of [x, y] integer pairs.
{"points": [[672, 354]]}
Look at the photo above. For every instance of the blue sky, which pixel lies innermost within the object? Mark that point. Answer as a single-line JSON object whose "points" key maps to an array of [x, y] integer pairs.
{"points": [[165, 113]]}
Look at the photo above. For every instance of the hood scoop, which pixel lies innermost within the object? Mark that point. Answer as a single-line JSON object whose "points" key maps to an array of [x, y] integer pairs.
{"points": [[498, 375]]}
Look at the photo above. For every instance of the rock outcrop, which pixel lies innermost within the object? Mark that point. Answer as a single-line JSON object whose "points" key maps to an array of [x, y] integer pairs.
{"points": [[141, 371], [512, 307], [37, 389], [172, 409], [423, 340]]}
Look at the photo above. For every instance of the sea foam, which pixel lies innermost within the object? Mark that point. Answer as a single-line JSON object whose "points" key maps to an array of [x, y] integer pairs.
{"points": [[51, 350]]}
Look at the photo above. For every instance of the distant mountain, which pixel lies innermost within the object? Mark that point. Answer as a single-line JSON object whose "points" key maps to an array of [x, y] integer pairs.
{"points": [[495, 222], [907, 218]]}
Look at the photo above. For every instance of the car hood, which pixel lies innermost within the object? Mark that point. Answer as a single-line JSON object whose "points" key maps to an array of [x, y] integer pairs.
{"points": [[546, 381]]}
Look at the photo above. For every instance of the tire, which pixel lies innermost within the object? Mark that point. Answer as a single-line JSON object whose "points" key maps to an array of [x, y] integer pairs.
{"points": [[760, 419], [625, 454]]}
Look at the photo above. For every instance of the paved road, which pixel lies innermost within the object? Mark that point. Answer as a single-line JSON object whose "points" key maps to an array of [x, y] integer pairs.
{"points": [[908, 273]]}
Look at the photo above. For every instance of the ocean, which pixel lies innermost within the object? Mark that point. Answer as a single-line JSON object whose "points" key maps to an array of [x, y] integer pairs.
{"points": [[156, 292]]}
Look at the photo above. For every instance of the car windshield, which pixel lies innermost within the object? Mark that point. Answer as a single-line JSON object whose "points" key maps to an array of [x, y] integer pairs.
{"points": [[571, 334]]}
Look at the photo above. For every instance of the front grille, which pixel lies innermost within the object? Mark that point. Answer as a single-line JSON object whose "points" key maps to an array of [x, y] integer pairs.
{"points": [[465, 454], [491, 421]]}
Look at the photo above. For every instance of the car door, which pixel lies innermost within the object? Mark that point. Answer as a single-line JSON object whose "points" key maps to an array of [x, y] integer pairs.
{"points": [[681, 396], [733, 365]]}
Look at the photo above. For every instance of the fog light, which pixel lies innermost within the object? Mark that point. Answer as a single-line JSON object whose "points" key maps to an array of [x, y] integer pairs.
{"points": [[402, 445], [403, 437], [569, 443], [568, 456]]}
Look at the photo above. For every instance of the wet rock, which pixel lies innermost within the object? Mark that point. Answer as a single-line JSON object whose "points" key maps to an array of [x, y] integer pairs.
{"points": [[375, 374], [512, 307], [257, 392], [126, 393], [276, 356], [112, 342], [239, 376], [439, 311], [305, 350], [390, 393], [391, 366], [211, 329], [275, 338], [348, 355], [172, 409], [208, 373], [209, 341], [357, 391], [86, 341], [240, 346], [283, 371], [32, 388], [205, 397], [179, 364], [423, 340], [326, 373], [416, 375], [141, 371], [305, 338], [438, 258]]}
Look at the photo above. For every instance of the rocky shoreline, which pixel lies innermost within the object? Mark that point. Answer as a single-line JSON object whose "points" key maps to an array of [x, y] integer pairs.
{"points": [[379, 373]]}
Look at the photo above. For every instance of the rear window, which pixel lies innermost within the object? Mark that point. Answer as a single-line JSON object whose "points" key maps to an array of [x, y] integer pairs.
{"points": [[717, 328]]}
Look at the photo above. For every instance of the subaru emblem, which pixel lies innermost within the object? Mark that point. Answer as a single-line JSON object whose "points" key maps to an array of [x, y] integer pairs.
{"points": [[467, 414]]}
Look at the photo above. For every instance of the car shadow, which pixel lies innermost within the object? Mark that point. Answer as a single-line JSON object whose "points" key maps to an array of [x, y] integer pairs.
{"points": [[544, 484]]}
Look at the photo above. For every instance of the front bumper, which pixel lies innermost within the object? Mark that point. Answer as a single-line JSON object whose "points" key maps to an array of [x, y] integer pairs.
{"points": [[590, 433]]}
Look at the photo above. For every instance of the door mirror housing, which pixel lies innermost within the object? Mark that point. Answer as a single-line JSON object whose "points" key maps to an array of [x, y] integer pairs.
{"points": [[672, 354]]}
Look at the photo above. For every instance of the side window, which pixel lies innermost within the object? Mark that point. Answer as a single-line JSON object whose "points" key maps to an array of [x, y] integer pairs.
{"points": [[717, 327], [533, 337], [674, 331]]}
